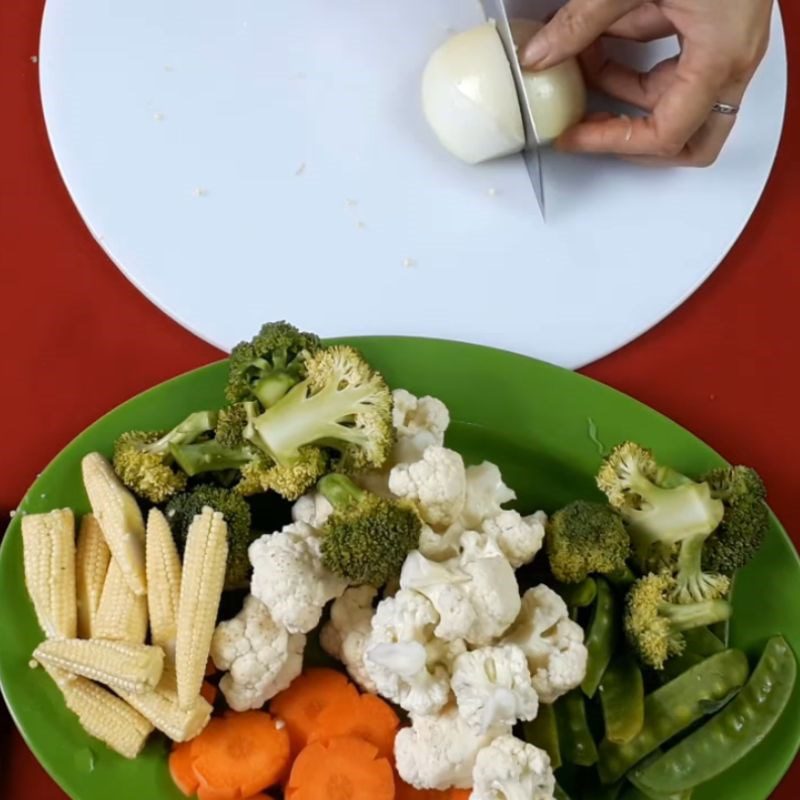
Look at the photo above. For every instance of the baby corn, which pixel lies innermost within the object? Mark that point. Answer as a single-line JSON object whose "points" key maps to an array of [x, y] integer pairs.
{"points": [[161, 708], [163, 582], [128, 667], [104, 715], [204, 560], [119, 517], [48, 544], [121, 615], [91, 564]]}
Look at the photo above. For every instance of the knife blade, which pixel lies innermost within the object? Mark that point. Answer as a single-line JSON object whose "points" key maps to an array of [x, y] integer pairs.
{"points": [[496, 10]]}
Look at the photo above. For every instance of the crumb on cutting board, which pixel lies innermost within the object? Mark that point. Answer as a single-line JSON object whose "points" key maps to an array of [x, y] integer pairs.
{"points": [[200, 192], [408, 263], [301, 169]]}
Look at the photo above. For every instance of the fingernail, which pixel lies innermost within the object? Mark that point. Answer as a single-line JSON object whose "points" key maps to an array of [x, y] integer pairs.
{"points": [[535, 51]]}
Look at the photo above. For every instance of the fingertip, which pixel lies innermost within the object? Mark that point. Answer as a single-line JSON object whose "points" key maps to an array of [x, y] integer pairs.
{"points": [[535, 52]]}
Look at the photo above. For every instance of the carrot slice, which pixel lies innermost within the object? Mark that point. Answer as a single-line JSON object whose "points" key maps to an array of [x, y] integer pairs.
{"points": [[211, 668], [239, 755], [180, 769], [343, 769], [366, 717], [206, 793], [310, 694], [209, 692]]}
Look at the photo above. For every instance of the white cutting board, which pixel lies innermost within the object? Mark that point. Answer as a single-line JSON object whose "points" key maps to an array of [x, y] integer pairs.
{"points": [[249, 160]]}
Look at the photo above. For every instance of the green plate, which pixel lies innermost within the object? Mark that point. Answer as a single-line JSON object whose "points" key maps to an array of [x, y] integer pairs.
{"points": [[541, 424]]}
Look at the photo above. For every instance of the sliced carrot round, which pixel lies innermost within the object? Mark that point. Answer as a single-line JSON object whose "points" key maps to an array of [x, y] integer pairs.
{"points": [[180, 769], [206, 793], [366, 717], [310, 694], [343, 769], [239, 755]]}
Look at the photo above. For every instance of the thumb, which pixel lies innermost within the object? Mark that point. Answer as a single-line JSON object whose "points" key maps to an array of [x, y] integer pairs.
{"points": [[576, 26]]}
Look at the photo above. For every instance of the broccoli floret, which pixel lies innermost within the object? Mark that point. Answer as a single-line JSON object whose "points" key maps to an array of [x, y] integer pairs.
{"points": [[585, 538], [654, 625], [144, 460], [745, 524], [255, 470], [183, 508], [260, 474], [367, 538], [343, 405], [267, 366], [669, 518]]}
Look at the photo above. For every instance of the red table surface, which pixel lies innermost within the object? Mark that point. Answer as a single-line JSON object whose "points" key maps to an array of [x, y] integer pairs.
{"points": [[77, 338]]}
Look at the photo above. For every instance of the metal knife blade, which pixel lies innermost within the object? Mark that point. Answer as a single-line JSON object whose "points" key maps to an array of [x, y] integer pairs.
{"points": [[496, 10]]}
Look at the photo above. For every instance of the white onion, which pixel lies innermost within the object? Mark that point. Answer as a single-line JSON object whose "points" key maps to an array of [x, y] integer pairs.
{"points": [[470, 100], [469, 97], [556, 96]]}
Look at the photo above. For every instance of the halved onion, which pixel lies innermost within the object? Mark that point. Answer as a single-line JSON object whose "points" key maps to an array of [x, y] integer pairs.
{"points": [[556, 96], [469, 97], [470, 100]]}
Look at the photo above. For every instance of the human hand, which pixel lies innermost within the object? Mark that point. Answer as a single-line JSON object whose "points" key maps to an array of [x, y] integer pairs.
{"points": [[722, 44]]}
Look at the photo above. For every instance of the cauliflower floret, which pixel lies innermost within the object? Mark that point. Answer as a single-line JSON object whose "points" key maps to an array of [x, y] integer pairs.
{"points": [[419, 422], [493, 687], [476, 595], [552, 642], [404, 659], [439, 752], [437, 483], [440, 546], [485, 494], [289, 578], [345, 636], [509, 769], [313, 509], [518, 538], [259, 655]]}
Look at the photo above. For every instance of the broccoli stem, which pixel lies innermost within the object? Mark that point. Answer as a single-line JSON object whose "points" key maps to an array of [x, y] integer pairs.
{"points": [[672, 515], [299, 419], [194, 425], [695, 615], [209, 456], [692, 583], [273, 387], [340, 491]]}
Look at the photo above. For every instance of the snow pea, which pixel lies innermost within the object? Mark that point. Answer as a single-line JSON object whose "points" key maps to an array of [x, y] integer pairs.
{"points": [[703, 642], [672, 708], [577, 595], [634, 793], [542, 732], [640, 792], [622, 578], [575, 739], [734, 732], [622, 698], [700, 644], [678, 665], [601, 638]]}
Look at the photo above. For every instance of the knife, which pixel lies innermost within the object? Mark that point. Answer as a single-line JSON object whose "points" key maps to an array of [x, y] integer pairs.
{"points": [[497, 10]]}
